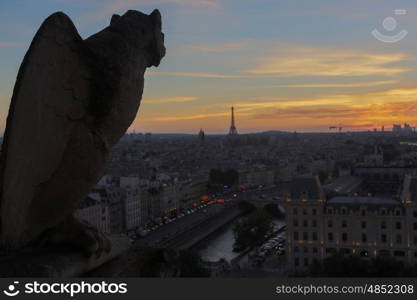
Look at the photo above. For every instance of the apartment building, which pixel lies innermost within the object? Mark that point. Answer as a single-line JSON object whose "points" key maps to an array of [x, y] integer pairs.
{"points": [[350, 225]]}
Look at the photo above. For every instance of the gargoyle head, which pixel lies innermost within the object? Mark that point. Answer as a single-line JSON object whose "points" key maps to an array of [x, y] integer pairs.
{"points": [[144, 31]]}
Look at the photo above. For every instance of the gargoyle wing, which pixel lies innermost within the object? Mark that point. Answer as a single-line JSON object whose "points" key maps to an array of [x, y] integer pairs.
{"points": [[44, 109]]}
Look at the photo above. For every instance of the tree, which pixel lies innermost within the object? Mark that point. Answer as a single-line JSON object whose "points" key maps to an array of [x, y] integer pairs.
{"points": [[273, 210], [252, 231], [190, 264]]}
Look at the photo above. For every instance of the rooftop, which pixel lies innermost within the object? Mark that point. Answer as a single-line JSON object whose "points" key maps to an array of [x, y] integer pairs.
{"points": [[308, 186], [344, 185], [366, 201]]}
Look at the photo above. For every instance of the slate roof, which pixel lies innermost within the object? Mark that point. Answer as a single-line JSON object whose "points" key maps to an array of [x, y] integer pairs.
{"points": [[344, 185], [305, 185], [363, 201]]}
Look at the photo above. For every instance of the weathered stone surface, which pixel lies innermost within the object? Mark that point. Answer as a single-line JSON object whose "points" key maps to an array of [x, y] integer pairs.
{"points": [[73, 99], [58, 262]]}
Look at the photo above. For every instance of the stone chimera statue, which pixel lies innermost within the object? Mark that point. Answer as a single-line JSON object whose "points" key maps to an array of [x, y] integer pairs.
{"points": [[72, 101]]}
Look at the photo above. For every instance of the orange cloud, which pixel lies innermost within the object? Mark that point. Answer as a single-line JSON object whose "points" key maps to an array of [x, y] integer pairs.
{"points": [[362, 110], [300, 60], [198, 75], [309, 61], [340, 85], [365, 116], [196, 116], [169, 100]]}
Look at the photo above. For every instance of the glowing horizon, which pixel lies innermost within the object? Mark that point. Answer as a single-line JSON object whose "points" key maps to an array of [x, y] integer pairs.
{"points": [[284, 65]]}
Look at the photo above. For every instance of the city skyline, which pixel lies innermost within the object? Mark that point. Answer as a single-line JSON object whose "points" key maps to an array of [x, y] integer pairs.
{"points": [[297, 66]]}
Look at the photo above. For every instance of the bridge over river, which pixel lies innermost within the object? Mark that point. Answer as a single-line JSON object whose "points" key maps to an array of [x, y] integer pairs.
{"points": [[263, 197], [192, 229]]}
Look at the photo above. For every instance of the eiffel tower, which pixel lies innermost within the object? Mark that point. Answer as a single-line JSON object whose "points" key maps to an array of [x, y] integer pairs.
{"points": [[233, 130]]}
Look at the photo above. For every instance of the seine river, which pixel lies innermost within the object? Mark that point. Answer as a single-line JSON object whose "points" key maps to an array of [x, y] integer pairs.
{"points": [[220, 244]]}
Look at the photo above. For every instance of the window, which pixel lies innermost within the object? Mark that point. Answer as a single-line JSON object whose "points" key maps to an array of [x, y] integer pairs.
{"points": [[295, 223], [383, 212], [363, 238], [399, 253], [344, 224], [363, 212], [305, 236], [314, 223], [314, 236], [305, 249], [304, 211], [383, 225], [397, 225], [294, 211], [295, 249], [329, 211], [415, 240], [296, 262], [343, 211], [305, 223], [398, 239], [383, 238], [315, 250], [330, 250], [398, 212], [345, 251], [330, 223], [344, 236], [305, 262], [295, 236], [384, 252], [363, 224], [415, 214], [415, 225], [330, 236], [314, 211]]}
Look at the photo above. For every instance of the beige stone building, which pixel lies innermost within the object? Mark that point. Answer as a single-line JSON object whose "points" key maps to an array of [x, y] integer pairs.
{"points": [[363, 226]]}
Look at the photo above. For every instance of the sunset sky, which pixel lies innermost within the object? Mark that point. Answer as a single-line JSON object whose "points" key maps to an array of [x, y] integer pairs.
{"points": [[284, 64]]}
